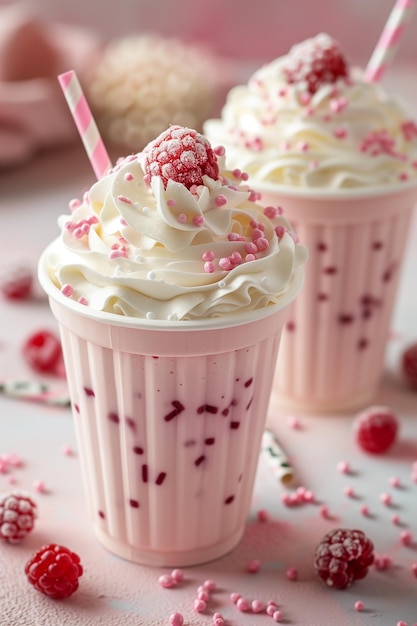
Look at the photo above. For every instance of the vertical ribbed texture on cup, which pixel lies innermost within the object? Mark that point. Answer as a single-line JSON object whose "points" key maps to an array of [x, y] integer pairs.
{"points": [[169, 445], [332, 349]]}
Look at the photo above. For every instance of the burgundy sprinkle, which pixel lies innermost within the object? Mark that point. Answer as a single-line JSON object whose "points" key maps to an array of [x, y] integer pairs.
{"points": [[177, 405], [199, 461], [77, 408], [134, 504], [113, 417], [366, 314], [322, 297], [234, 425], [209, 441], [290, 326], [171, 415], [229, 499], [249, 404], [321, 247], [377, 245], [225, 412], [138, 450], [190, 443], [131, 423], [330, 270], [207, 408], [346, 318], [160, 478], [145, 473], [89, 392], [249, 382], [233, 402], [363, 343], [101, 514]]}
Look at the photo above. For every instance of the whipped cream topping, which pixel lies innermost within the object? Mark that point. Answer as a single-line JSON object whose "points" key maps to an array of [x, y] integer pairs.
{"points": [[137, 248], [349, 133]]}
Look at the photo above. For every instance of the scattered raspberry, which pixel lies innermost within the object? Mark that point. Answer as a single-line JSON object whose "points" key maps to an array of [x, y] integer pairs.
{"points": [[182, 155], [343, 556], [409, 365], [17, 283], [17, 516], [376, 429], [54, 571], [316, 62], [42, 351]]}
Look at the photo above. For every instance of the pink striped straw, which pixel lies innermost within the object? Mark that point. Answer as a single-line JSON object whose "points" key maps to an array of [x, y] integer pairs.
{"points": [[85, 123], [389, 41]]}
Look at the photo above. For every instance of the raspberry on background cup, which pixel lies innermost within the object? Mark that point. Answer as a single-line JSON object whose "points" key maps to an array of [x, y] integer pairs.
{"points": [[169, 418], [331, 356]]}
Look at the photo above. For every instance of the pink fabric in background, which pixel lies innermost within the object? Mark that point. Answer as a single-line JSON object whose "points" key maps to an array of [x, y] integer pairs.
{"points": [[33, 112]]}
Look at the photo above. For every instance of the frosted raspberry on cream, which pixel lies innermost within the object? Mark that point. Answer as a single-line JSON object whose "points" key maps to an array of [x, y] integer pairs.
{"points": [[172, 234]]}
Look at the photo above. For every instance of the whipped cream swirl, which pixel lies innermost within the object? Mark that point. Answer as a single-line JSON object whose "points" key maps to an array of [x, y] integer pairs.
{"points": [[347, 134], [135, 248]]}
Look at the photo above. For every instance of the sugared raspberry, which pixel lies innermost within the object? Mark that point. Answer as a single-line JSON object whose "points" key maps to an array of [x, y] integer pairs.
{"points": [[316, 62], [17, 283], [376, 429], [409, 365], [17, 516], [343, 556], [180, 154], [54, 570], [42, 351]]}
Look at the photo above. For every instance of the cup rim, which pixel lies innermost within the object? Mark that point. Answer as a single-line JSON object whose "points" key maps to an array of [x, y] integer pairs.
{"points": [[294, 287]]}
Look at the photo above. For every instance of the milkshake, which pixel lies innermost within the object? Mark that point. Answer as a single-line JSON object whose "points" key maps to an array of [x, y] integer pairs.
{"points": [[171, 286], [341, 155]]}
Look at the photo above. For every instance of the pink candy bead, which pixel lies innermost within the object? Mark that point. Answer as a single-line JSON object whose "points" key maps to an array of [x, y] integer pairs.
{"points": [[359, 605], [166, 581], [177, 575], [257, 606], [176, 619], [243, 605], [277, 616], [199, 605]]}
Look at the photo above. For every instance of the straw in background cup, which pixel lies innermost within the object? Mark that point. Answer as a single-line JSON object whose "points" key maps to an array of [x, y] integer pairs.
{"points": [[332, 350], [169, 419], [389, 40]]}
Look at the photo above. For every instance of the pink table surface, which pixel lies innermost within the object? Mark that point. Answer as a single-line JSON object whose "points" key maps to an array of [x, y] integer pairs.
{"points": [[113, 591]]}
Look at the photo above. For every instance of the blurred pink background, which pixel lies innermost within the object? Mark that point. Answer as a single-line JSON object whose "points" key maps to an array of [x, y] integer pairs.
{"points": [[258, 31]]}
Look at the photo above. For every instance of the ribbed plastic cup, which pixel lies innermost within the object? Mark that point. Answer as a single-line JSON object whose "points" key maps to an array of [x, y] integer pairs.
{"points": [[332, 350], [169, 419]]}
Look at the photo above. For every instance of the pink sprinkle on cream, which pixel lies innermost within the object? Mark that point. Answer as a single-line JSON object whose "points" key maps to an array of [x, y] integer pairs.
{"points": [[209, 585], [128, 176], [278, 616], [171, 202], [209, 267], [82, 300], [234, 597], [67, 290], [177, 575], [220, 200], [74, 204], [219, 151], [124, 199], [198, 220]]}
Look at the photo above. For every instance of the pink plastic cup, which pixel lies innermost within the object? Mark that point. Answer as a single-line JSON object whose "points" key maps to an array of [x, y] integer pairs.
{"points": [[332, 351], [169, 418]]}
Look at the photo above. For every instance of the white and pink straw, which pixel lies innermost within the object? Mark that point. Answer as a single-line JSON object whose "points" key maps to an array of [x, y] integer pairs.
{"points": [[389, 40], [85, 123]]}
